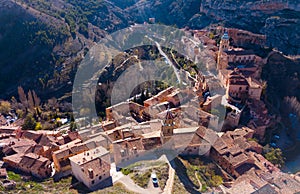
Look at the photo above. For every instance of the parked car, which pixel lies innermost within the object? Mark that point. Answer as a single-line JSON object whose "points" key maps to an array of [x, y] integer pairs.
{"points": [[154, 179]]}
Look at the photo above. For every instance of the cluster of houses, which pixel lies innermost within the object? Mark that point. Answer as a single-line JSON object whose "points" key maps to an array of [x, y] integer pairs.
{"points": [[240, 157], [239, 72], [43, 154], [175, 121]]}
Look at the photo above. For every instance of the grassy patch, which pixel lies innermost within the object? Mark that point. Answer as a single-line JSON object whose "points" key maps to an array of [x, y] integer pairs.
{"points": [[117, 188], [206, 172], [140, 172], [126, 171], [190, 171], [141, 178], [13, 176], [178, 187], [162, 173], [35, 186], [62, 186]]}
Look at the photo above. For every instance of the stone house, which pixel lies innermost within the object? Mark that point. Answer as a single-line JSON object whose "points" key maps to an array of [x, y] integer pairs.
{"points": [[14, 146], [158, 98], [30, 163], [123, 109], [194, 141], [128, 149], [260, 119], [239, 88], [61, 156], [212, 102], [91, 167], [233, 152], [36, 165]]}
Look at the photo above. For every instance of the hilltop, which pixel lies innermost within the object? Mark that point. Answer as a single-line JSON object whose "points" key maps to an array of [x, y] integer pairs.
{"points": [[43, 42]]}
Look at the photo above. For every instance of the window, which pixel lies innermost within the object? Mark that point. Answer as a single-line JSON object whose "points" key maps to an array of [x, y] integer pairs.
{"points": [[122, 153], [93, 182], [100, 177]]}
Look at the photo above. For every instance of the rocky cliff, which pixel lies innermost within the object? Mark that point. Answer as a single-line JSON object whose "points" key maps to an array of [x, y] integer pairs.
{"points": [[277, 19], [168, 12]]}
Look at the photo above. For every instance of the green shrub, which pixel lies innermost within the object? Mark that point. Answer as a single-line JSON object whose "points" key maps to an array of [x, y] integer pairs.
{"points": [[275, 156], [13, 176], [126, 171]]}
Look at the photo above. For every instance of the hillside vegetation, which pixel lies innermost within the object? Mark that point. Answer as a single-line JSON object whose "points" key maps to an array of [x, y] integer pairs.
{"points": [[43, 42]]}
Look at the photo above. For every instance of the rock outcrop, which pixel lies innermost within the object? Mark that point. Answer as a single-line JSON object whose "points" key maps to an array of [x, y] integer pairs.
{"points": [[277, 19]]}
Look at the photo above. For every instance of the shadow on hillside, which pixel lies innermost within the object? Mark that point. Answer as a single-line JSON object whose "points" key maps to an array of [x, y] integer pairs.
{"points": [[181, 171], [81, 188]]}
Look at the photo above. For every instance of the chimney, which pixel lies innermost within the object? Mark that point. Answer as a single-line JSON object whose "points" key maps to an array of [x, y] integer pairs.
{"points": [[91, 173]]}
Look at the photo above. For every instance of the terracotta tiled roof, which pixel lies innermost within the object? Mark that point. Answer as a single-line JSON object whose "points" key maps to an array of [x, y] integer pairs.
{"points": [[97, 166], [285, 183], [28, 160], [47, 140], [266, 189], [130, 144], [37, 149], [17, 145], [31, 135], [16, 158], [74, 149]]}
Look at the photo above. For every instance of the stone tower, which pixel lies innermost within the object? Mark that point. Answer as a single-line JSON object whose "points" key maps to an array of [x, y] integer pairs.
{"points": [[222, 61], [168, 127]]}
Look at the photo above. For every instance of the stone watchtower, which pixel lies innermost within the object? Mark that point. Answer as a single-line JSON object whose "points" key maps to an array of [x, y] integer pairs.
{"points": [[222, 61]]}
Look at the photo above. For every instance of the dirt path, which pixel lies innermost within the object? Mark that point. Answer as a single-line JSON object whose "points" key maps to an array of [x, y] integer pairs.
{"points": [[199, 182], [131, 186]]}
